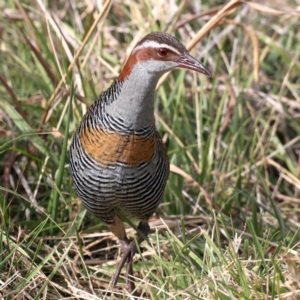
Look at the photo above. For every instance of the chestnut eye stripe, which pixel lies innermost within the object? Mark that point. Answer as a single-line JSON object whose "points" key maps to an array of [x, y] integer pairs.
{"points": [[155, 45]]}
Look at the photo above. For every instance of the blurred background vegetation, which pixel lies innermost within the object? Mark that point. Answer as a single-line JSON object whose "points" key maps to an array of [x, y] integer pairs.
{"points": [[228, 227]]}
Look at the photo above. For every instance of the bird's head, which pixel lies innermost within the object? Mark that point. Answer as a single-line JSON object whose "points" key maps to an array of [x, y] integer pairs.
{"points": [[159, 52]]}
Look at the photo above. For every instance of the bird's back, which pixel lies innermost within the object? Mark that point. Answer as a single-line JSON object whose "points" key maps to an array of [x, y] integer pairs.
{"points": [[114, 167]]}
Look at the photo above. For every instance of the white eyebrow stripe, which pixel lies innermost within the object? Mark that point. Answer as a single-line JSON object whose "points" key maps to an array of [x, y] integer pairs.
{"points": [[154, 44]]}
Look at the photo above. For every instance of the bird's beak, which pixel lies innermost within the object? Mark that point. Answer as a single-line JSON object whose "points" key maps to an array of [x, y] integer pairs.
{"points": [[187, 61]]}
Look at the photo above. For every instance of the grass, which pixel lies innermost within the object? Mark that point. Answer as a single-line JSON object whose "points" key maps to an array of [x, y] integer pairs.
{"points": [[228, 226]]}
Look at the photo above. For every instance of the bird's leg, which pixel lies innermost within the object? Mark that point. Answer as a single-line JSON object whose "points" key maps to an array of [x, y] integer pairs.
{"points": [[144, 229], [128, 250], [118, 229]]}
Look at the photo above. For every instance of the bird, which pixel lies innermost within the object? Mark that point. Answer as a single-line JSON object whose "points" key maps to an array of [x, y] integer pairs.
{"points": [[118, 161]]}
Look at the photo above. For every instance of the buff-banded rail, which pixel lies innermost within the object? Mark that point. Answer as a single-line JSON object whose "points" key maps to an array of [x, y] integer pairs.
{"points": [[118, 162]]}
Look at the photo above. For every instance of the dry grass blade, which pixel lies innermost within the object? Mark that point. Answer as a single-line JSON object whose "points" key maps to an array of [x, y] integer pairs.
{"points": [[271, 11], [289, 177], [229, 110], [28, 25]]}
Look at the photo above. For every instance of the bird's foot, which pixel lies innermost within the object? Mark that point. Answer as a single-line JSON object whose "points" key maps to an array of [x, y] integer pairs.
{"points": [[128, 250]]}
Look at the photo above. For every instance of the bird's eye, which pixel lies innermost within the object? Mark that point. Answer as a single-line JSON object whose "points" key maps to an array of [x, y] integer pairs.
{"points": [[162, 51]]}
